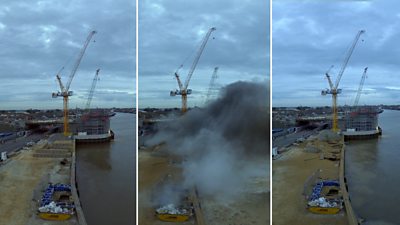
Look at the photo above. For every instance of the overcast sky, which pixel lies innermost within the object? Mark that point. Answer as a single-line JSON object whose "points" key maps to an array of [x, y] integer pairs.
{"points": [[310, 36], [169, 31], [37, 38]]}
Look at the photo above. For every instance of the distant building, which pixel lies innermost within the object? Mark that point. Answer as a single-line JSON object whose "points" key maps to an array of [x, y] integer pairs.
{"points": [[93, 126], [361, 123]]}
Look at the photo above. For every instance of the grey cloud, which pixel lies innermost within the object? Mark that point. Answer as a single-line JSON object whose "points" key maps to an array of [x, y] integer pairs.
{"points": [[309, 36], [39, 37], [169, 31]]}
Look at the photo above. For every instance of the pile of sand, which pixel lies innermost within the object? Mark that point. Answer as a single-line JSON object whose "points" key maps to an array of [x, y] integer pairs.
{"points": [[328, 136], [311, 148]]}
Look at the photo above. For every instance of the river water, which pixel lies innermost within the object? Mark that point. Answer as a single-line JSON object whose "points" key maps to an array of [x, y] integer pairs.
{"points": [[106, 176], [372, 171]]}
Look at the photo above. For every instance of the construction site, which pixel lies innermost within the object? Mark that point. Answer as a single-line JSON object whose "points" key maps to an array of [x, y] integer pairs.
{"points": [[91, 125], [25, 177], [309, 182], [38, 174], [206, 165]]}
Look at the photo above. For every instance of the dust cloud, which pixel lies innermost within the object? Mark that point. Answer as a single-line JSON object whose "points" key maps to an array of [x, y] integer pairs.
{"points": [[224, 144]]}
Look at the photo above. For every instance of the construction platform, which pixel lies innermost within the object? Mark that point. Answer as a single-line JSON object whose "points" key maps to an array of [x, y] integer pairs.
{"points": [[25, 176]]}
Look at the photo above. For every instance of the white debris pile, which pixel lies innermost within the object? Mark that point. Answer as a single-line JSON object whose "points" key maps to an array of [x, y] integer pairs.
{"points": [[171, 209], [323, 202], [53, 208]]}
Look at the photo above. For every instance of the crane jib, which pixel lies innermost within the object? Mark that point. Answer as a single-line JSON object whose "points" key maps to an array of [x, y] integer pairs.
{"points": [[197, 57], [360, 87], [212, 82], [347, 58], [334, 90], [91, 91], [183, 88], [78, 61], [65, 93]]}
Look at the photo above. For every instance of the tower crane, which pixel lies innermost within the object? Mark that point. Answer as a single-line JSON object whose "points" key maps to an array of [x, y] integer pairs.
{"points": [[64, 90], [183, 88], [334, 90], [360, 87], [91, 92], [212, 83]]}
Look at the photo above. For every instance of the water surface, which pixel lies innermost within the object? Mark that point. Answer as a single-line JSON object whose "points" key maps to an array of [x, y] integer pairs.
{"points": [[372, 171], [106, 176]]}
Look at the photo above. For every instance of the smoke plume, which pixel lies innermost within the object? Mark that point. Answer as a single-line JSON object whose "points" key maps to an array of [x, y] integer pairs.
{"points": [[225, 143]]}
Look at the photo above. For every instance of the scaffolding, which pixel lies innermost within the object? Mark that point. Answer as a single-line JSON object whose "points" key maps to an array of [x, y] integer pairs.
{"points": [[94, 122], [362, 119]]}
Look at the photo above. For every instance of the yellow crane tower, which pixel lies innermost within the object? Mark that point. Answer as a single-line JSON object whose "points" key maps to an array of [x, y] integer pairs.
{"points": [[64, 90], [334, 88], [183, 88]]}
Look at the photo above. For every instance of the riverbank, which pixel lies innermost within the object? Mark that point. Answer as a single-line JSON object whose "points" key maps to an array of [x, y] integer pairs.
{"points": [[153, 167], [289, 175], [25, 176]]}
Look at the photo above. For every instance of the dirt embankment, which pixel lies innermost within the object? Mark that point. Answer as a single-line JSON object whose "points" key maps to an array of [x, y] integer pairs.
{"points": [[22, 179], [289, 175], [153, 168]]}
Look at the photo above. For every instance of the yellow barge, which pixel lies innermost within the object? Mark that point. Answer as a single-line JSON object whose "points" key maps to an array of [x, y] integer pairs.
{"points": [[324, 210], [54, 216], [56, 203], [325, 198], [172, 213], [173, 217]]}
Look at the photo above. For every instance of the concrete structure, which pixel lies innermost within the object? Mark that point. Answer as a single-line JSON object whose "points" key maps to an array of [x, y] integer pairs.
{"points": [[93, 122], [362, 119], [361, 123], [93, 126]]}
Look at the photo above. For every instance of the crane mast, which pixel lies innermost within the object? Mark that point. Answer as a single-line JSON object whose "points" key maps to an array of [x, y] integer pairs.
{"points": [[65, 92], [334, 90], [360, 87], [91, 92], [183, 88]]}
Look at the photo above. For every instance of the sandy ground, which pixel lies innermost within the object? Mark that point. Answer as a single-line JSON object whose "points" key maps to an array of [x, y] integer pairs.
{"points": [[289, 175], [251, 208], [153, 167], [22, 180]]}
